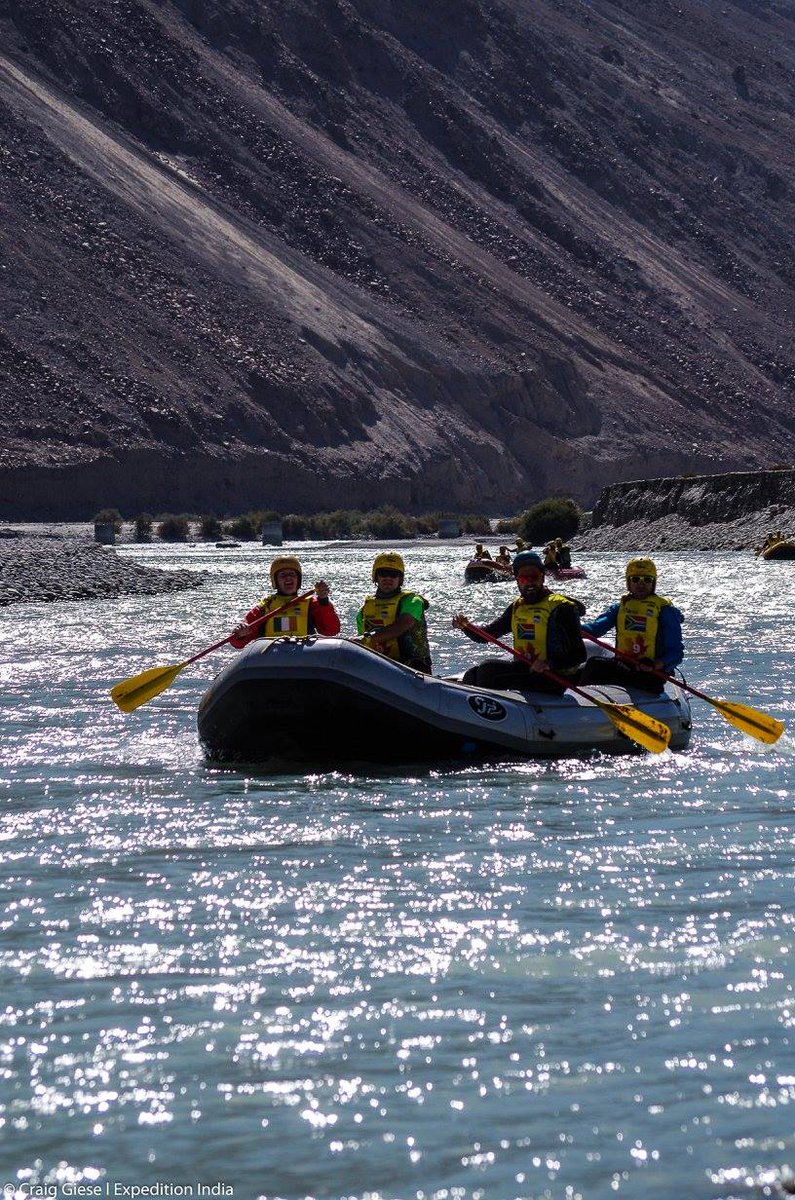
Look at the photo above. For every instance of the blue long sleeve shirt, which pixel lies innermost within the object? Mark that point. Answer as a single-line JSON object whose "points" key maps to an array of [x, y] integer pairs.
{"points": [[669, 633]]}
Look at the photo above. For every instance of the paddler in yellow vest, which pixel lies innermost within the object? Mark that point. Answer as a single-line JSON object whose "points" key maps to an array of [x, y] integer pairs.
{"points": [[647, 626], [313, 614], [393, 620], [545, 626]]}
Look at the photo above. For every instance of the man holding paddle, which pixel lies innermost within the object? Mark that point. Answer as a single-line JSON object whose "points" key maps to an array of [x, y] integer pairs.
{"points": [[546, 633], [392, 621], [293, 615], [648, 634]]}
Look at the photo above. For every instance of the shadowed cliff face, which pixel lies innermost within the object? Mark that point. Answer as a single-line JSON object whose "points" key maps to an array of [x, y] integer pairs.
{"points": [[699, 500], [312, 255]]}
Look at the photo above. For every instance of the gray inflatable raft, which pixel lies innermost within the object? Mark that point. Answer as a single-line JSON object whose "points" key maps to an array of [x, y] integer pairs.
{"points": [[330, 701]]}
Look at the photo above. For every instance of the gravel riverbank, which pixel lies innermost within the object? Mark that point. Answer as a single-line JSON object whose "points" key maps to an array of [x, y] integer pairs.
{"points": [[66, 566]]}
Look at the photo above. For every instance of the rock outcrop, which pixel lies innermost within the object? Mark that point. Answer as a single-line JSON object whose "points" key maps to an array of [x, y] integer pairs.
{"points": [[700, 500], [303, 256], [709, 512]]}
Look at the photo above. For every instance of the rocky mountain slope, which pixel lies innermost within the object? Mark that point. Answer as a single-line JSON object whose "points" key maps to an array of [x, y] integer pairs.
{"points": [[325, 253]]}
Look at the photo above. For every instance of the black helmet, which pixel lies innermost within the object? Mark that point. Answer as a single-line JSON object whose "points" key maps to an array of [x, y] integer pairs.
{"points": [[527, 558]]}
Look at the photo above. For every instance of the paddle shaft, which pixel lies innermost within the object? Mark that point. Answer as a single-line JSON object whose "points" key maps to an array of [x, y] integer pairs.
{"points": [[753, 721], [132, 693], [647, 731], [649, 670], [489, 637], [251, 625]]}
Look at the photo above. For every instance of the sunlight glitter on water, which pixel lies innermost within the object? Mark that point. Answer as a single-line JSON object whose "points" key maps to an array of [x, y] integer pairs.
{"points": [[511, 980]]}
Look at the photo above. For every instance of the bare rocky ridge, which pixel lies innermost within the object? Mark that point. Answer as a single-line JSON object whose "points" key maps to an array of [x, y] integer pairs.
{"points": [[309, 256], [700, 500]]}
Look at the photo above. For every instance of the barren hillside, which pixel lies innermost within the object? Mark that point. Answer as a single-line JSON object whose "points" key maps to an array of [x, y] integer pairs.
{"points": [[329, 253]]}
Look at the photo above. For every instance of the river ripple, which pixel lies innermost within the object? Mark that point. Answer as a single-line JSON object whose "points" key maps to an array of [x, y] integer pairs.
{"points": [[509, 981]]}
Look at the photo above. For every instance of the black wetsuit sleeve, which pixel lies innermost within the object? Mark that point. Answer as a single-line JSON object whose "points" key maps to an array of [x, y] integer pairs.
{"points": [[568, 648], [499, 628]]}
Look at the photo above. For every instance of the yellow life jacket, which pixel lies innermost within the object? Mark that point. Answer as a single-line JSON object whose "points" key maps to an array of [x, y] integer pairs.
{"points": [[638, 624], [377, 613], [530, 624], [293, 622]]}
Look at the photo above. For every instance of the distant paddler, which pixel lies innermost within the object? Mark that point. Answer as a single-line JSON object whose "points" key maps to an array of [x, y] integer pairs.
{"points": [[563, 554], [777, 546]]}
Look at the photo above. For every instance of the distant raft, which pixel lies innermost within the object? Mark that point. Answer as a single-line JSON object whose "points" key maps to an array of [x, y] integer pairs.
{"points": [[782, 549], [331, 702], [566, 572], [486, 570]]}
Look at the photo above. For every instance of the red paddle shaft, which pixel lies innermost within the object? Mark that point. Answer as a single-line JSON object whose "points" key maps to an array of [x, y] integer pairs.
{"points": [[251, 625], [489, 637]]}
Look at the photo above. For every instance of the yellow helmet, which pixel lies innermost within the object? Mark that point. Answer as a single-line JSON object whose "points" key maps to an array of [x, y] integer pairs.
{"points": [[641, 566], [389, 560], [282, 563]]}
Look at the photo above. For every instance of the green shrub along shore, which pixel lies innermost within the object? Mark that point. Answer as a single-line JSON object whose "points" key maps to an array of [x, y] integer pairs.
{"points": [[554, 517]]}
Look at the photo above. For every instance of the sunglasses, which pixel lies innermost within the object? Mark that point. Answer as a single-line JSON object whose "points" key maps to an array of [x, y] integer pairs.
{"points": [[381, 573], [642, 578], [536, 577]]}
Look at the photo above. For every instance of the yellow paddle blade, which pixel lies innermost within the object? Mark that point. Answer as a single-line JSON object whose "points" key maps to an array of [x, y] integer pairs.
{"points": [[646, 731], [132, 693], [759, 724]]}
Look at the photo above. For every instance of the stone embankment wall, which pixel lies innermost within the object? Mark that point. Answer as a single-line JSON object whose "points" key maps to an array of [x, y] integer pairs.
{"points": [[702, 512]]}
